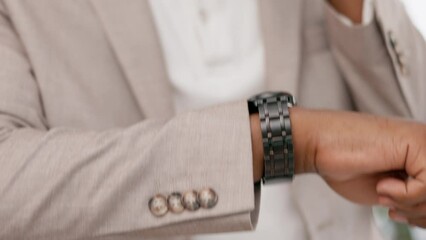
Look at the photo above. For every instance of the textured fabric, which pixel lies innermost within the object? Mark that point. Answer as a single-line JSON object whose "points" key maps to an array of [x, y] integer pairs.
{"points": [[80, 158], [88, 133]]}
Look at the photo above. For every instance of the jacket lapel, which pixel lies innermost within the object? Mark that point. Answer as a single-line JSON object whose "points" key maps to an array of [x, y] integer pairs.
{"points": [[130, 28], [281, 26]]}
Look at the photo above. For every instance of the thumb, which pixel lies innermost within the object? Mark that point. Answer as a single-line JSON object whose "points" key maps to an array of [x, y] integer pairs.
{"points": [[408, 191]]}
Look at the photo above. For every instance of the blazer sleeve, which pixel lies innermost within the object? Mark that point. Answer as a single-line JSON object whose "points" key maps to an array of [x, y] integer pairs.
{"points": [[61, 183], [383, 62]]}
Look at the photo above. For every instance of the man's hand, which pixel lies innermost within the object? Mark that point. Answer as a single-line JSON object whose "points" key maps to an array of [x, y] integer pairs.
{"points": [[350, 8], [366, 159]]}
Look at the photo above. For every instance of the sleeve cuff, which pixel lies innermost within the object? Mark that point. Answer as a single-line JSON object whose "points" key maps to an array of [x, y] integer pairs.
{"points": [[218, 137]]}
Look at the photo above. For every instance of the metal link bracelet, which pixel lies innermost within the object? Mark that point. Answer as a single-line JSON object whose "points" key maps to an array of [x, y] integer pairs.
{"points": [[275, 124]]}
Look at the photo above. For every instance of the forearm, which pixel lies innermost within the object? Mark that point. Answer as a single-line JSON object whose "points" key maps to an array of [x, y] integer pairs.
{"points": [[350, 8], [362, 157], [304, 133]]}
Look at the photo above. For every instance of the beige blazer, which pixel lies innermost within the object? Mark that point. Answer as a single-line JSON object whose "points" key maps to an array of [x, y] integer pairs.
{"points": [[88, 134]]}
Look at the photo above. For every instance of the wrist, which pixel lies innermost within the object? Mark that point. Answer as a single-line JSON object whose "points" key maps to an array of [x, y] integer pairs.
{"points": [[304, 140], [257, 147], [274, 125]]}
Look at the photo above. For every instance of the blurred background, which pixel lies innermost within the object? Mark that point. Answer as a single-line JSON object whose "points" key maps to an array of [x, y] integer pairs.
{"points": [[417, 10]]}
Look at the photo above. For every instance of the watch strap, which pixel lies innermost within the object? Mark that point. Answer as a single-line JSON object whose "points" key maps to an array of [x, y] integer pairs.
{"points": [[277, 137]]}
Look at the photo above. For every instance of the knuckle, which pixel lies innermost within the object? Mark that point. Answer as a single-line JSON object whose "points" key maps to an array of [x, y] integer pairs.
{"points": [[404, 198], [415, 194]]}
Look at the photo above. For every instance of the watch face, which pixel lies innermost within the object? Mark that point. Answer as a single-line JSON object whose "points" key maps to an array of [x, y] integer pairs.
{"points": [[272, 94], [265, 95], [254, 101]]}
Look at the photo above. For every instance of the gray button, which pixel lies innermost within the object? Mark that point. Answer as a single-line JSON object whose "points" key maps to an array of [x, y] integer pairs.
{"points": [[174, 202], [158, 205], [399, 53], [190, 201], [207, 198]]}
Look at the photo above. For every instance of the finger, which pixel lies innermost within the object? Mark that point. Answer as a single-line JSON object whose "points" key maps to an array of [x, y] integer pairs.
{"points": [[419, 211], [396, 217], [406, 192], [387, 202], [418, 222]]}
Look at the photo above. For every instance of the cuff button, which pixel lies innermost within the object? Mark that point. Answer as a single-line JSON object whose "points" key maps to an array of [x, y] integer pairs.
{"points": [[190, 201], [174, 202], [207, 198], [158, 205]]}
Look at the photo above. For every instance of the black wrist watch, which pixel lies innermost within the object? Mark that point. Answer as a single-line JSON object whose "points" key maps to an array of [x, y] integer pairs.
{"points": [[276, 134]]}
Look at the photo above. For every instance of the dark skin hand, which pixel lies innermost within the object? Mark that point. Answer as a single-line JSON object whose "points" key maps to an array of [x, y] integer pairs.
{"points": [[402, 207], [366, 159]]}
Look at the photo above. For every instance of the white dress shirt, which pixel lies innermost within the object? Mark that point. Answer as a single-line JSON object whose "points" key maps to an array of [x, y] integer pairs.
{"points": [[214, 53], [213, 50]]}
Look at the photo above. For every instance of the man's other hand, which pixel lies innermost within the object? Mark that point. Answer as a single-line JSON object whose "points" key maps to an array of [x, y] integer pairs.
{"points": [[366, 159]]}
